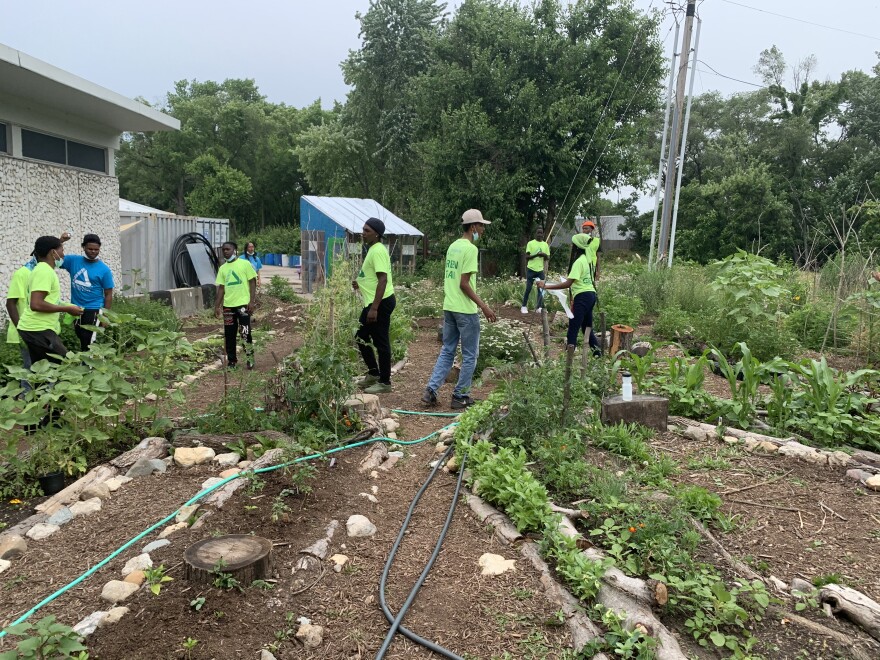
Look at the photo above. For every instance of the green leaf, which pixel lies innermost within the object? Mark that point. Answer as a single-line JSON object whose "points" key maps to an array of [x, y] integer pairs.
{"points": [[718, 639]]}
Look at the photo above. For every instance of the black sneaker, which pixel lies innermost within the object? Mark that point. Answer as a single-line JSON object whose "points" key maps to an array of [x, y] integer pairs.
{"points": [[232, 365], [250, 365], [429, 398], [462, 402]]}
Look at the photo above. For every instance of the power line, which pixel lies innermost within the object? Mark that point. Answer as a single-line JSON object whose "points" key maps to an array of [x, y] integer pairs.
{"points": [[718, 73], [801, 20]]}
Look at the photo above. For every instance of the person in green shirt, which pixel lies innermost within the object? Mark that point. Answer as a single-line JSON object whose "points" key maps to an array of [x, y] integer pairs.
{"points": [[39, 323], [374, 281], [236, 293], [538, 254], [461, 319], [582, 282]]}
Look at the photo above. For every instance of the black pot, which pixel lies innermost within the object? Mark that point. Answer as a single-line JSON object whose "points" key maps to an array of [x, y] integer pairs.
{"points": [[52, 483]]}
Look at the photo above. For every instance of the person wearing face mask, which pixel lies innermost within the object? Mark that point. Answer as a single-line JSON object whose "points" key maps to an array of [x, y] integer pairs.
{"points": [[461, 318], [91, 287], [250, 253], [40, 323], [236, 292]]}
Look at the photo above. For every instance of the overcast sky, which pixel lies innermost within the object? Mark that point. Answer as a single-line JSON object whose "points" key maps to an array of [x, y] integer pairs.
{"points": [[293, 48]]}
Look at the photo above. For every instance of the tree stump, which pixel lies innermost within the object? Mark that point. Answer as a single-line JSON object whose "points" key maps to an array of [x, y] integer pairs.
{"points": [[246, 558], [621, 338]]}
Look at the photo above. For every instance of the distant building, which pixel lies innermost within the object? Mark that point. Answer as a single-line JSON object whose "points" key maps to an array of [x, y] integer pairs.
{"points": [[58, 139], [610, 228]]}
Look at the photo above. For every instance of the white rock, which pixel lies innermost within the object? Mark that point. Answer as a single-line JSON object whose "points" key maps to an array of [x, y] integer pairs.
{"points": [[212, 481], [186, 513], [115, 483], [4, 564], [374, 489], [168, 531], [338, 562], [695, 433], [101, 491], [88, 625], [139, 563], [874, 482], [151, 397], [60, 517], [838, 459], [117, 591], [374, 474], [86, 508], [230, 459], [359, 526], [155, 545], [391, 435], [304, 621], [440, 447], [371, 498], [113, 616], [390, 425], [731, 440], [266, 655], [189, 379], [12, 546], [41, 531], [189, 456], [496, 564], [311, 636]]}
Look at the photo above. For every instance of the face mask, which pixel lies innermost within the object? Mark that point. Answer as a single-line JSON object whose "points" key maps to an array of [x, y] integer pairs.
{"points": [[250, 252], [476, 236], [58, 262], [231, 259], [92, 260]]}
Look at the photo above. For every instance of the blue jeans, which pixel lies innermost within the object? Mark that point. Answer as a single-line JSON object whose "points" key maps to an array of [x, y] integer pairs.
{"points": [[531, 276], [464, 327], [582, 308]]}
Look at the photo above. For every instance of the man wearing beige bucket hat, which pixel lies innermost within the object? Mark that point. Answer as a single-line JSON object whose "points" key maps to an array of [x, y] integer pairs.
{"points": [[461, 318]]}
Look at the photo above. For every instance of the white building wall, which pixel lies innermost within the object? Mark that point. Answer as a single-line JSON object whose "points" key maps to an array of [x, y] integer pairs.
{"points": [[37, 199]]}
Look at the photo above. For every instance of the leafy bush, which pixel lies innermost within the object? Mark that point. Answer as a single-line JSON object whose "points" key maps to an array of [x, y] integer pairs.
{"points": [[281, 289], [401, 333], [45, 639], [279, 239], [674, 323], [813, 325], [500, 343], [619, 307]]}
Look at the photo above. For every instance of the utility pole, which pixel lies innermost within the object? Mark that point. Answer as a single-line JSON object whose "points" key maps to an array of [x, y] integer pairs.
{"points": [[675, 138]]}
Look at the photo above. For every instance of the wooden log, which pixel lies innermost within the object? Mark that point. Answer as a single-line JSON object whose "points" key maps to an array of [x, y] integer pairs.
{"points": [[246, 558], [859, 649], [545, 325], [579, 625], [488, 514], [736, 433], [621, 338], [219, 497], [311, 559], [377, 454], [70, 494], [854, 605], [218, 441], [148, 448]]}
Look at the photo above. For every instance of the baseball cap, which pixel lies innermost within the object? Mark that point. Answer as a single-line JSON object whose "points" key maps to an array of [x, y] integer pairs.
{"points": [[472, 216], [588, 223]]}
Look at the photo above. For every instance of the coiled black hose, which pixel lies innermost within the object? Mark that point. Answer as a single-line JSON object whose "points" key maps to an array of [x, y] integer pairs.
{"points": [[395, 621], [181, 263]]}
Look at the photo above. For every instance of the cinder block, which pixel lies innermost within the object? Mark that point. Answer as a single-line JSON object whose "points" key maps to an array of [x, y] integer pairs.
{"points": [[644, 409]]}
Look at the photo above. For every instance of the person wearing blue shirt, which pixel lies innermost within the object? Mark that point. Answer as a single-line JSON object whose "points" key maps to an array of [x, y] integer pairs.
{"points": [[250, 253], [91, 286]]}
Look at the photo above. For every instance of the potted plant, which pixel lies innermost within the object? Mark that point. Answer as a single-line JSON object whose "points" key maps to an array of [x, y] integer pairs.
{"points": [[53, 456]]}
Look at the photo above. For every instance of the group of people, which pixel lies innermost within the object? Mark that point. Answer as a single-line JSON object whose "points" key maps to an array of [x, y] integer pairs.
{"points": [[462, 305], [34, 304]]}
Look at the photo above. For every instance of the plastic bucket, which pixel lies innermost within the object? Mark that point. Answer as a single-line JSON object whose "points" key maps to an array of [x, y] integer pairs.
{"points": [[52, 483]]}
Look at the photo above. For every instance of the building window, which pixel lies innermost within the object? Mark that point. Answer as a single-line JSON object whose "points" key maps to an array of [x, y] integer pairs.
{"points": [[43, 147], [86, 156], [3, 148], [64, 152]]}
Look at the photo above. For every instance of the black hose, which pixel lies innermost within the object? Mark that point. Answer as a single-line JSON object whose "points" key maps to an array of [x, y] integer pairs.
{"points": [[181, 262], [396, 620]]}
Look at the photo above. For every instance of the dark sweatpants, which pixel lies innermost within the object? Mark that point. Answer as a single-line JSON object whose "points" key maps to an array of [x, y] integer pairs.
{"points": [[379, 335], [43, 345], [89, 317], [582, 308], [237, 321]]}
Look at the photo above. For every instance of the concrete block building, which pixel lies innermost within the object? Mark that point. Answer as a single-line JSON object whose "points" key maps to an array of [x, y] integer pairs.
{"points": [[58, 138]]}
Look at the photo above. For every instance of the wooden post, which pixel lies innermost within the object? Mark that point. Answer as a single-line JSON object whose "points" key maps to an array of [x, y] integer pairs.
{"points": [[546, 324], [621, 338], [602, 345], [566, 393], [585, 349], [531, 348]]}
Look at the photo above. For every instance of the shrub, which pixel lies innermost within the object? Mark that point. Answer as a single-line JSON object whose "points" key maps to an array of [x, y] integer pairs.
{"points": [[814, 326], [278, 239], [619, 307], [500, 343], [674, 323], [283, 290]]}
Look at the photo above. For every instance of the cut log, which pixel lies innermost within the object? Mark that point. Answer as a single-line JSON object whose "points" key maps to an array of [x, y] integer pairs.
{"points": [[218, 497], [244, 557], [377, 455], [621, 338], [70, 494], [854, 605], [311, 559], [148, 448], [488, 514], [582, 629], [736, 433]]}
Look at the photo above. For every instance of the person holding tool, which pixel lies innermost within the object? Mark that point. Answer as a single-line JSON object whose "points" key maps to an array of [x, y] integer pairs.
{"points": [[582, 282], [236, 292], [538, 254], [91, 287], [375, 284], [461, 318]]}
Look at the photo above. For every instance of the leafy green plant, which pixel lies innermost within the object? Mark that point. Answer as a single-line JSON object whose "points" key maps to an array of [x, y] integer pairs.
{"points": [[45, 639], [197, 603], [500, 343], [281, 289], [156, 578], [188, 646], [618, 640], [223, 580]]}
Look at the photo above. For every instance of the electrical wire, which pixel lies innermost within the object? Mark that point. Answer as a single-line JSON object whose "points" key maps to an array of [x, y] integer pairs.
{"points": [[181, 262], [718, 73], [801, 20], [395, 621]]}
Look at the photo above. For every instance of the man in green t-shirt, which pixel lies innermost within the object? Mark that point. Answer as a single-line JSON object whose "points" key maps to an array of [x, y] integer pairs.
{"points": [[374, 281], [39, 323], [538, 254], [236, 292], [461, 319]]}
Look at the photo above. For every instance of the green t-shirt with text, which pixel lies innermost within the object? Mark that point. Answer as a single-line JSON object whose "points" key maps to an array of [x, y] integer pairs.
{"points": [[583, 271], [376, 261], [533, 247], [461, 258], [42, 278], [18, 292], [235, 277]]}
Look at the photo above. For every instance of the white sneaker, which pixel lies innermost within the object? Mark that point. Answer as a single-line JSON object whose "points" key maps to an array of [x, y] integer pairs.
{"points": [[524, 310], [539, 310]]}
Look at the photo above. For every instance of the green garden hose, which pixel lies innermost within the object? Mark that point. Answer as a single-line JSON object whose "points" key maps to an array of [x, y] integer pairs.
{"points": [[201, 495]]}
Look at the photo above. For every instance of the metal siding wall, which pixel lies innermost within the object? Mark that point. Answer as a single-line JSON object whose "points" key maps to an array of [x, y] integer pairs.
{"points": [[146, 246], [311, 219]]}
